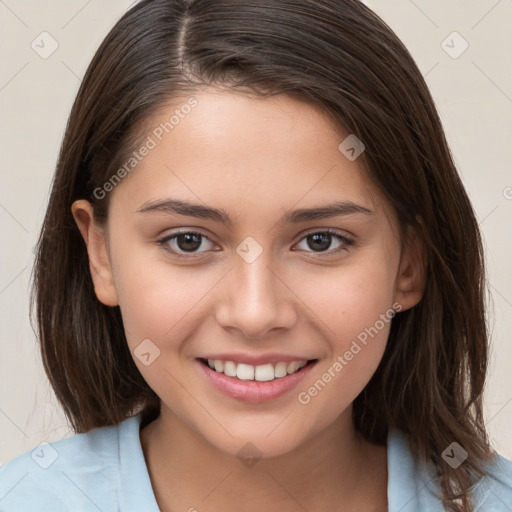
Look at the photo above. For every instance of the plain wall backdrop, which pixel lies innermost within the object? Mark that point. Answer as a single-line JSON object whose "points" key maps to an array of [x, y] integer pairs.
{"points": [[463, 48]]}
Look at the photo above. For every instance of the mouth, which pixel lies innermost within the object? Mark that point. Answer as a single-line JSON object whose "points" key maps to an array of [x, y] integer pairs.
{"points": [[260, 373], [255, 383]]}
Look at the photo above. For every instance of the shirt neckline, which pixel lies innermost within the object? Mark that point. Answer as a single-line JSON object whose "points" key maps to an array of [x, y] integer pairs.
{"points": [[405, 480], [136, 490]]}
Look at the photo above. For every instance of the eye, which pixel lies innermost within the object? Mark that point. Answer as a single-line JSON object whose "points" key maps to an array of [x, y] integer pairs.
{"points": [[184, 242], [187, 243], [320, 241]]}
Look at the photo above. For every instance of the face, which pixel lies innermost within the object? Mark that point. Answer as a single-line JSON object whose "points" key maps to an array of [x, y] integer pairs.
{"points": [[254, 274]]}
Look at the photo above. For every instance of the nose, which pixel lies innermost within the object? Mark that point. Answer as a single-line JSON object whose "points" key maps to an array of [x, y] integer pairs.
{"points": [[255, 300]]}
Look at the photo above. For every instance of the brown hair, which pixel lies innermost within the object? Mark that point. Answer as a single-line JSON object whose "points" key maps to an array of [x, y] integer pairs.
{"points": [[341, 57]]}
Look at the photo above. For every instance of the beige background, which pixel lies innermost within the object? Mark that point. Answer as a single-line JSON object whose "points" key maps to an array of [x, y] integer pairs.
{"points": [[473, 93]]}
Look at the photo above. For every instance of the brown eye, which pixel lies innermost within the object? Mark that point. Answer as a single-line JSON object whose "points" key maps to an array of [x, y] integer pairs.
{"points": [[184, 242], [320, 241], [188, 242]]}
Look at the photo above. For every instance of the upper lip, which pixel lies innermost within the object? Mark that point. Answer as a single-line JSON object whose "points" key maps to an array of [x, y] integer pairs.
{"points": [[256, 360]]}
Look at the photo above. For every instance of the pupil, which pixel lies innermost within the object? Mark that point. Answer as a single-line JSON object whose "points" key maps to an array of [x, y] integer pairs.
{"points": [[189, 238], [324, 239]]}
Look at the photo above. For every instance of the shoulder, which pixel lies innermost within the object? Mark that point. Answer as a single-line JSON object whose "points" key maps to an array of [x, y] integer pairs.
{"points": [[494, 492], [413, 487], [77, 473]]}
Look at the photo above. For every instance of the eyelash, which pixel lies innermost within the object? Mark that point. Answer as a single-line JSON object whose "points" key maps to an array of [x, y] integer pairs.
{"points": [[347, 242]]}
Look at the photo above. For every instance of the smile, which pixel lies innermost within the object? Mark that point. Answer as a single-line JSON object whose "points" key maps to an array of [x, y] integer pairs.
{"points": [[261, 373], [254, 383]]}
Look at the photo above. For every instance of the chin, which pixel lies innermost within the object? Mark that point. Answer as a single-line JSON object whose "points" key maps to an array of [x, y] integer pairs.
{"points": [[255, 443]]}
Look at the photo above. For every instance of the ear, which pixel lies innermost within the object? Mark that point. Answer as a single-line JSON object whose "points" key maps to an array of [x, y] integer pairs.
{"points": [[99, 262], [411, 278]]}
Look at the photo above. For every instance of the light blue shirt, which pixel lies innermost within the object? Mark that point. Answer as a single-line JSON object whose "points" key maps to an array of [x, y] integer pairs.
{"points": [[104, 470]]}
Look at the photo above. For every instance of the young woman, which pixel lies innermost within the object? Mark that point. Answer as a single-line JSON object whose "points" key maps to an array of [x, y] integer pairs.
{"points": [[260, 282]]}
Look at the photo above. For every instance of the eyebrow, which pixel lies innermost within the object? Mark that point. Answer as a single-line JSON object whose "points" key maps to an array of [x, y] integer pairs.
{"points": [[176, 206]]}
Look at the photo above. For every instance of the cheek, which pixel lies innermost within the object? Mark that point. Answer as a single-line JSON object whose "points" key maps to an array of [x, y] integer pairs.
{"points": [[158, 300], [363, 321], [356, 352], [349, 299], [355, 312]]}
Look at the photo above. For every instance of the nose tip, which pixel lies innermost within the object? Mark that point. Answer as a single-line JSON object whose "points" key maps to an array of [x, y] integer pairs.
{"points": [[254, 301]]}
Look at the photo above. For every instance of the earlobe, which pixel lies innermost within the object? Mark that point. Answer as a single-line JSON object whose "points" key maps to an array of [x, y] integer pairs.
{"points": [[99, 262], [411, 278]]}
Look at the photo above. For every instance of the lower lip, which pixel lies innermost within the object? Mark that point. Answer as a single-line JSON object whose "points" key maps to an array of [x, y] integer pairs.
{"points": [[254, 391]]}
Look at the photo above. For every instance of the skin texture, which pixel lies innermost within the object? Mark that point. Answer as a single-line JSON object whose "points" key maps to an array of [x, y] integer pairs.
{"points": [[256, 159]]}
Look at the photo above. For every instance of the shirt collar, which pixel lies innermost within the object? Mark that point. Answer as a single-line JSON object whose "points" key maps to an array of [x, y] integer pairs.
{"points": [[411, 487]]}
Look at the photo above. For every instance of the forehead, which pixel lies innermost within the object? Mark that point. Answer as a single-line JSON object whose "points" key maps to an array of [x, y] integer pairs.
{"points": [[245, 151]]}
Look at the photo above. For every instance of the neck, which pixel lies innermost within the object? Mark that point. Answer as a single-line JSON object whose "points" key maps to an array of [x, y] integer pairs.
{"points": [[335, 467]]}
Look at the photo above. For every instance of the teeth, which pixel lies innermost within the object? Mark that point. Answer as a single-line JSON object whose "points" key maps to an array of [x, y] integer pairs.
{"points": [[292, 367], [280, 370], [245, 371], [262, 373], [230, 369]]}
